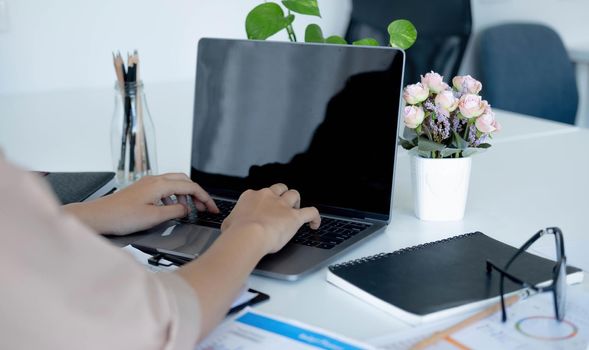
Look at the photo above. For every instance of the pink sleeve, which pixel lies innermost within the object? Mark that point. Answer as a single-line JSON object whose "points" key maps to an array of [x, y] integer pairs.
{"points": [[64, 287]]}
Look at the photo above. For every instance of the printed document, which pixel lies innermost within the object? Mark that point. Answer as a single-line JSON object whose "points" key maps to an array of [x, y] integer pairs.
{"points": [[530, 325], [252, 329]]}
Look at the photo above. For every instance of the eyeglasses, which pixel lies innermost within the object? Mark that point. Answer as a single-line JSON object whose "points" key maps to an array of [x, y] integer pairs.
{"points": [[558, 285]]}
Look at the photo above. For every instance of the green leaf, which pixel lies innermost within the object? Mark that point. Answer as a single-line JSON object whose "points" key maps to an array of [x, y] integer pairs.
{"points": [[409, 134], [304, 7], [314, 34], [458, 141], [424, 154], [334, 39], [265, 20], [366, 42], [484, 145], [450, 152], [402, 34], [426, 145], [406, 144], [471, 150]]}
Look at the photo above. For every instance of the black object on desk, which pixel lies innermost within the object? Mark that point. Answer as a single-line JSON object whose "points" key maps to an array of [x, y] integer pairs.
{"points": [[157, 256], [439, 279], [77, 187], [256, 300]]}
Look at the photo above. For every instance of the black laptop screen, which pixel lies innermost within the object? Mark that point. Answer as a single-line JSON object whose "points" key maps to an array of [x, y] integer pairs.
{"points": [[320, 118]]}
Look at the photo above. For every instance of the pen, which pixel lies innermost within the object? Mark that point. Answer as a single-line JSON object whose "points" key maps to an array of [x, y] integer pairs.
{"points": [[437, 336], [157, 255]]}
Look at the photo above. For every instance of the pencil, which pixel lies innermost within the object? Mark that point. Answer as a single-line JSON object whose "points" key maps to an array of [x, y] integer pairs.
{"points": [[140, 145], [122, 77], [440, 335], [118, 71]]}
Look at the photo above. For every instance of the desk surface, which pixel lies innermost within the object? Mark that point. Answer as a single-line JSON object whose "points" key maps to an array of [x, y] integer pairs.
{"points": [[517, 187], [535, 175]]}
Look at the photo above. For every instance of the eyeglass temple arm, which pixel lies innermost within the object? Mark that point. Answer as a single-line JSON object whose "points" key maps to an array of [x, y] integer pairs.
{"points": [[524, 247], [557, 236], [491, 265]]}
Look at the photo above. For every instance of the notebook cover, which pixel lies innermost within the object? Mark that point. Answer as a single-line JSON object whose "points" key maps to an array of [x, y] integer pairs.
{"points": [[437, 276], [77, 187]]}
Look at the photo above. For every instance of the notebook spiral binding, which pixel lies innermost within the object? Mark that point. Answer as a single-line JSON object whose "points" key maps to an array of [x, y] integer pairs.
{"points": [[397, 252]]}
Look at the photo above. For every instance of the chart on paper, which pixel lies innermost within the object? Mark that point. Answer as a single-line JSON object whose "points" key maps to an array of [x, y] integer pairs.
{"points": [[530, 325], [257, 331]]}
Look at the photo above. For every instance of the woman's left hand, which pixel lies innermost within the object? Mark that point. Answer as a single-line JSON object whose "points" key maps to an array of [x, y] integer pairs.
{"points": [[138, 206]]}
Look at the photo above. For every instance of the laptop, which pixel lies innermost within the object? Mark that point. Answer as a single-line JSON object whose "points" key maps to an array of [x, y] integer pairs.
{"points": [[321, 119]]}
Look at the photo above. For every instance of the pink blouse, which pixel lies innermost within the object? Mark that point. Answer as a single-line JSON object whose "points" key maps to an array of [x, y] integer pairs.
{"points": [[63, 286]]}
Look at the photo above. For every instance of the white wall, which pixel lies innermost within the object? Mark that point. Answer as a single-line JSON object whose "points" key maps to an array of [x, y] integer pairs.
{"points": [[67, 44]]}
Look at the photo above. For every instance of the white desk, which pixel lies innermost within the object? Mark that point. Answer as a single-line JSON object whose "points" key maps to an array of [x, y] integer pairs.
{"points": [[517, 188], [536, 175]]}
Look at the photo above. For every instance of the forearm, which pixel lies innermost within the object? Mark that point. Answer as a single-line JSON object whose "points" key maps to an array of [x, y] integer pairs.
{"points": [[218, 275], [93, 214]]}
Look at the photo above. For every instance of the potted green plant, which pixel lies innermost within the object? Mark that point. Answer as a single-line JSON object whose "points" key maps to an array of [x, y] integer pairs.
{"points": [[269, 18]]}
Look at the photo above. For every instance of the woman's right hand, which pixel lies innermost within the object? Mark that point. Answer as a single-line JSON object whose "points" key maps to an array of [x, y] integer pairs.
{"points": [[276, 211]]}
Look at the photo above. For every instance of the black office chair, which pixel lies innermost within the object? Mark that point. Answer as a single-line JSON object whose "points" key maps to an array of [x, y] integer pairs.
{"points": [[525, 68], [443, 29]]}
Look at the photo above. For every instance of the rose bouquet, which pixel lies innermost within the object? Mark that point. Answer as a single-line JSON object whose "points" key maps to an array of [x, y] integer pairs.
{"points": [[445, 122]]}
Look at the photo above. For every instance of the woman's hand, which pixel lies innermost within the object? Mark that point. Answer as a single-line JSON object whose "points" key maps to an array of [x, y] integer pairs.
{"points": [[137, 207], [275, 211], [261, 223]]}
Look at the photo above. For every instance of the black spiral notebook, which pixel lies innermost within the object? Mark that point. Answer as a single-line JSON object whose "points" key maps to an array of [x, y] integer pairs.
{"points": [[439, 279], [80, 186]]}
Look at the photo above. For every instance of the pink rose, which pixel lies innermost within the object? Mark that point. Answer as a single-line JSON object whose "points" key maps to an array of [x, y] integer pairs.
{"points": [[497, 125], [415, 93], [413, 116], [434, 82], [446, 101], [486, 123], [467, 84], [487, 107], [471, 105]]}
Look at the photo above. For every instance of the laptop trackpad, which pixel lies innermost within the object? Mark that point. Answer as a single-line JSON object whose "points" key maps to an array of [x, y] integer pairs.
{"points": [[181, 239]]}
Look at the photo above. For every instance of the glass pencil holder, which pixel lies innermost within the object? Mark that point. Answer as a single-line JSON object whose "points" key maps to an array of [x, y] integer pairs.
{"points": [[132, 135]]}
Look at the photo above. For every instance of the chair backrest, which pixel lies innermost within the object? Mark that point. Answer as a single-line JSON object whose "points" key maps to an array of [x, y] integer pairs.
{"points": [[525, 68], [443, 29]]}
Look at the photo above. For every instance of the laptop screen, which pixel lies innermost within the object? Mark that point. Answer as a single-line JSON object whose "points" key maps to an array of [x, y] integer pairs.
{"points": [[320, 118]]}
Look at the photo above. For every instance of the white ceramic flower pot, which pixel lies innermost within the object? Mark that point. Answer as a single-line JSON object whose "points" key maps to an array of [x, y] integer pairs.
{"points": [[440, 187]]}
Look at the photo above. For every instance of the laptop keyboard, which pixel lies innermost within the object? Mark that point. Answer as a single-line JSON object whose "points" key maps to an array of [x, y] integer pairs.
{"points": [[331, 232], [215, 220]]}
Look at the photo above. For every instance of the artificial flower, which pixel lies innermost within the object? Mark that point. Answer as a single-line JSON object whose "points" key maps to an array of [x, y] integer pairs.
{"points": [[413, 116], [486, 123], [415, 93], [471, 105], [446, 102], [467, 84], [434, 82]]}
